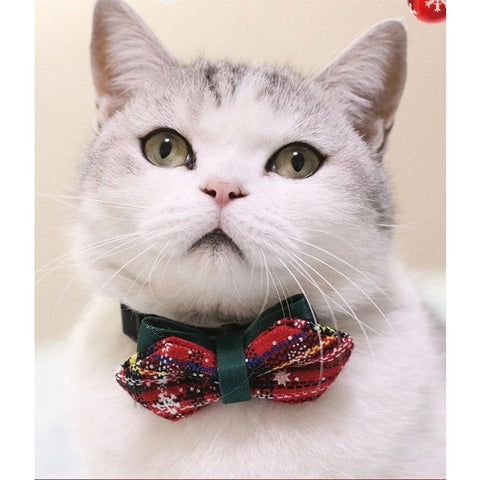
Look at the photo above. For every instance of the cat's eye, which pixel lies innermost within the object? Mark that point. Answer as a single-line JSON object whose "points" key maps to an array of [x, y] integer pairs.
{"points": [[167, 148], [296, 160]]}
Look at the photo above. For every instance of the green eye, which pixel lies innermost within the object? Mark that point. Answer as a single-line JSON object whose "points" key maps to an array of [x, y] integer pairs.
{"points": [[167, 148], [296, 160]]}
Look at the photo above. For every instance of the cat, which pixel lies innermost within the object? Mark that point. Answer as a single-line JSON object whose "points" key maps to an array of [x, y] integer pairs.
{"points": [[211, 192]]}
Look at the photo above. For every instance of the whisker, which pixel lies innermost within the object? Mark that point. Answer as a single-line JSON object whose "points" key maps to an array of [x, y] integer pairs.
{"points": [[86, 248], [115, 274], [352, 312], [359, 288], [361, 324], [273, 283], [53, 314], [324, 295], [149, 283], [156, 261], [311, 309], [284, 294], [265, 300], [59, 197], [116, 249], [347, 264], [338, 237]]}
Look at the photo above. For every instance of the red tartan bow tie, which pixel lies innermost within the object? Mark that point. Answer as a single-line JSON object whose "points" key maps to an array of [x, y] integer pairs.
{"points": [[284, 356]]}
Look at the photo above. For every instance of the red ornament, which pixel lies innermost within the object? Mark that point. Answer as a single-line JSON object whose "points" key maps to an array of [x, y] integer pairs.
{"points": [[429, 10]]}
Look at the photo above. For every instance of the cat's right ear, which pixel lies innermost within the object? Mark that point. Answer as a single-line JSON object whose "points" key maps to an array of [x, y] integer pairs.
{"points": [[124, 54], [367, 80]]}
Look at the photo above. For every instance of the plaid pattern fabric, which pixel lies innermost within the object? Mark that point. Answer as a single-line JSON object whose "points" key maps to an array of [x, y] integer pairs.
{"points": [[291, 361]]}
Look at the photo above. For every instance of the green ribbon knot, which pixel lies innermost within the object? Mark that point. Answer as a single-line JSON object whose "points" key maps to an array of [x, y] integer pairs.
{"points": [[232, 368]]}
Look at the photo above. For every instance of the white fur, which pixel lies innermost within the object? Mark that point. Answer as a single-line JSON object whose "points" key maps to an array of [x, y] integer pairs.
{"points": [[328, 236], [381, 418]]}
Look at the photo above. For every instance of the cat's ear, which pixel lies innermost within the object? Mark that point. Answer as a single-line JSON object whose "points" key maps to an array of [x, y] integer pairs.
{"points": [[367, 79], [124, 53]]}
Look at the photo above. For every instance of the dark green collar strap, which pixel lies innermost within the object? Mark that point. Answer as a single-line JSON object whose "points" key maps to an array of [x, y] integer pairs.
{"points": [[153, 329], [293, 307], [228, 342]]}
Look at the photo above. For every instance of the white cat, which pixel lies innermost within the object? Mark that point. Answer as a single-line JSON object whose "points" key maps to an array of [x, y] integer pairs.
{"points": [[211, 192]]}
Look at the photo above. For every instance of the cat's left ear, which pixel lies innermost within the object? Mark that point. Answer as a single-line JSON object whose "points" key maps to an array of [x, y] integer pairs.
{"points": [[124, 54], [367, 80]]}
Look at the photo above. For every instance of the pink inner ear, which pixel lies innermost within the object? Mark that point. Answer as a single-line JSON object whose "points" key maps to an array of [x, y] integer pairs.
{"points": [[124, 53], [368, 79]]}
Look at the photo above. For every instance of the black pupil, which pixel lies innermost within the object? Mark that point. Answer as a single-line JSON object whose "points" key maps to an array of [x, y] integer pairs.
{"points": [[165, 148], [298, 161]]}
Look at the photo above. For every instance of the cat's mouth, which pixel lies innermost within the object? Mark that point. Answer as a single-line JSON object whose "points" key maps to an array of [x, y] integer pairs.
{"points": [[216, 240]]}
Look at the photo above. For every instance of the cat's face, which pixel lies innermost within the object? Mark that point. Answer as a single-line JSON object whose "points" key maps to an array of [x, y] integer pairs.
{"points": [[193, 206]]}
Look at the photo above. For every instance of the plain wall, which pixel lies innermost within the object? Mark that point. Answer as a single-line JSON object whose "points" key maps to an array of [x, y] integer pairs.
{"points": [[304, 34]]}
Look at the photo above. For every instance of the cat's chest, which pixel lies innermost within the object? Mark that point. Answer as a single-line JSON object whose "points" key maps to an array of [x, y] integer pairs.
{"points": [[361, 406]]}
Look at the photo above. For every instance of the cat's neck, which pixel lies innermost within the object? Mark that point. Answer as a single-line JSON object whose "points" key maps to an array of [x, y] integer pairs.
{"points": [[355, 310]]}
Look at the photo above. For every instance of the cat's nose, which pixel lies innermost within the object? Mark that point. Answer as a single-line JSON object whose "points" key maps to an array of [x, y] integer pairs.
{"points": [[223, 191]]}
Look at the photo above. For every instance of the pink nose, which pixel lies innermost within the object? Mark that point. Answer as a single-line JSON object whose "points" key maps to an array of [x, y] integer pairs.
{"points": [[222, 192]]}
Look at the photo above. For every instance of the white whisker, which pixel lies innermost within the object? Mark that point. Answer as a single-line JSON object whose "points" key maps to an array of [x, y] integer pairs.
{"points": [[361, 324], [359, 288], [115, 274], [311, 309], [347, 264]]}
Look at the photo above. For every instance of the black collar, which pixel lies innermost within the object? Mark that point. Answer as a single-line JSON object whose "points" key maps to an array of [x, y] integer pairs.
{"points": [[131, 320]]}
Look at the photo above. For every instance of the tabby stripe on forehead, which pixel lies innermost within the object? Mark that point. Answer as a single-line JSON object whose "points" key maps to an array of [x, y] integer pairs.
{"points": [[210, 73], [236, 73], [273, 82]]}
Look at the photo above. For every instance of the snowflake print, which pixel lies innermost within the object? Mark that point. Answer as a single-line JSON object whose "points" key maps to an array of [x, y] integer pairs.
{"points": [[282, 377], [410, 7], [436, 3], [167, 403]]}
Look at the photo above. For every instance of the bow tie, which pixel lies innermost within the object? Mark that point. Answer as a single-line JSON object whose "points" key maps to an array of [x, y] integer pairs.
{"points": [[284, 356]]}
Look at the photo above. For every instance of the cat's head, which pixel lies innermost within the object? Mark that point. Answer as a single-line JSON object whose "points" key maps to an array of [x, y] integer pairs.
{"points": [[212, 190]]}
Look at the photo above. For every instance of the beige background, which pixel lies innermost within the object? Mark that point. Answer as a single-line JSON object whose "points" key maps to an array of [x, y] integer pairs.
{"points": [[302, 33]]}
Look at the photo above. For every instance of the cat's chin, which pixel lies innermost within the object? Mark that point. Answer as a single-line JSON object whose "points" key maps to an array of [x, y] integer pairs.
{"points": [[217, 249]]}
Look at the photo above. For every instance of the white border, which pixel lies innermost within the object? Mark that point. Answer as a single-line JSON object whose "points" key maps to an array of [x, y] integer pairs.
{"points": [[17, 237], [463, 239]]}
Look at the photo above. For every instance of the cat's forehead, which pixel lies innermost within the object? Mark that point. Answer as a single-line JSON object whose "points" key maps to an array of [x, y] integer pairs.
{"points": [[243, 108], [238, 103], [247, 115], [225, 81]]}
